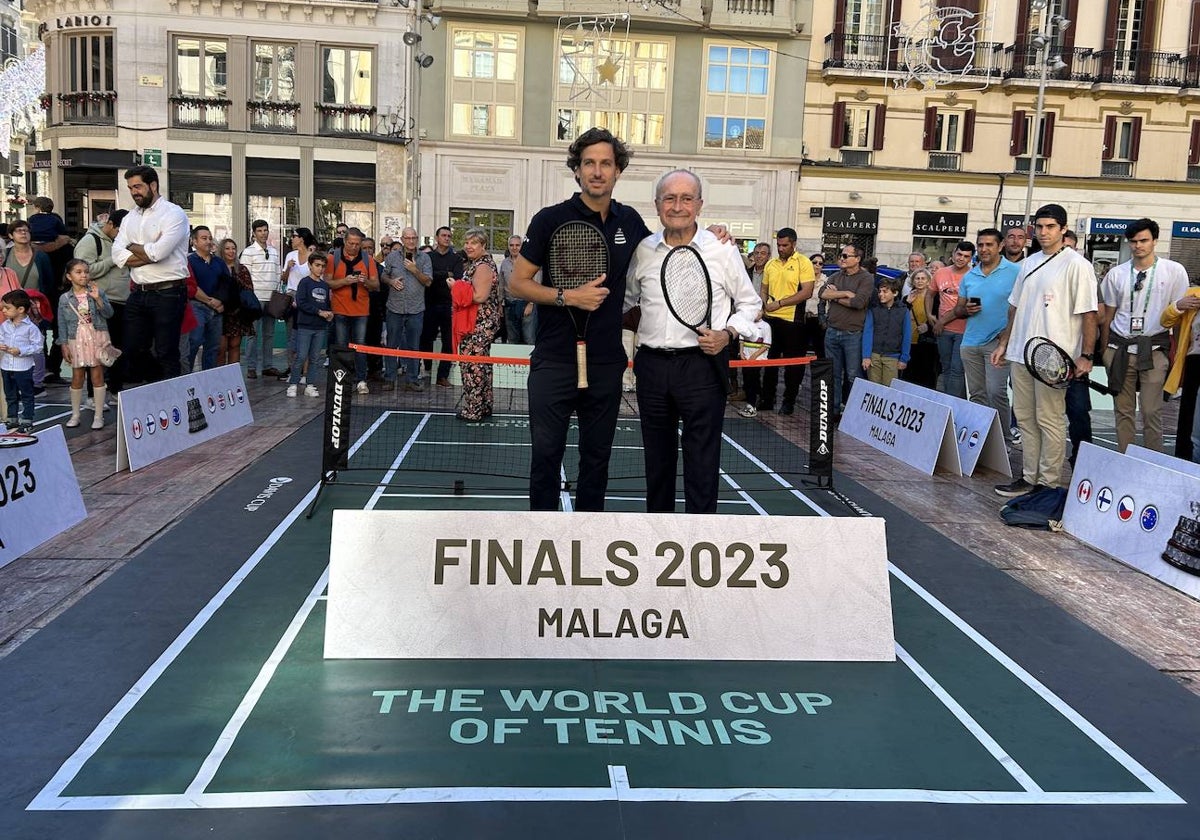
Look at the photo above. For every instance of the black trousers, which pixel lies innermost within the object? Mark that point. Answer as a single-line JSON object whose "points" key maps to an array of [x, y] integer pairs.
{"points": [[437, 319], [787, 342], [672, 388], [1187, 408], [152, 326], [553, 397]]}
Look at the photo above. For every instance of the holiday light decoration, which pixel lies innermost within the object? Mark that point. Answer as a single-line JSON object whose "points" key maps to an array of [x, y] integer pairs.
{"points": [[20, 108]]}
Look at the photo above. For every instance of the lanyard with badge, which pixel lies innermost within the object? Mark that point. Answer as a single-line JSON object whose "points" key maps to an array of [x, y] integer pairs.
{"points": [[1138, 323]]}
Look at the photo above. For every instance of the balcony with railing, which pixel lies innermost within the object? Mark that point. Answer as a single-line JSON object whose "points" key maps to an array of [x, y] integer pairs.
{"points": [[1116, 169], [272, 116], [1021, 62], [346, 119], [88, 107], [1140, 67], [207, 112], [884, 53], [945, 161]]}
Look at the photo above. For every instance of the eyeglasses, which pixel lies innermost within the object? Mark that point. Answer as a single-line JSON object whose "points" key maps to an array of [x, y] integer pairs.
{"points": [[1141, 281], [845, 256]]}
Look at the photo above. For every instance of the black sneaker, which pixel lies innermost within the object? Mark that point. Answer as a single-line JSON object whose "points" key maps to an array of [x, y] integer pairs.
{"points": [[787, 408], [1015, 488], [38, 390]]}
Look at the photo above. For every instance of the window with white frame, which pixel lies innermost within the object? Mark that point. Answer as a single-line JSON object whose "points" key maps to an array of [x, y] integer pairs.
{"points": [[346, 76], [486, 85], [858, 129], [864, 28], [274, 76], [737, 96], [201, 67], [947, 131], [617, 83], [88, 91]]}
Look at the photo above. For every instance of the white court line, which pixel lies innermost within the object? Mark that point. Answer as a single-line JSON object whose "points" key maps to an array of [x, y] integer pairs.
{"points": [[754, 459], [969, 723], [51, 798]]}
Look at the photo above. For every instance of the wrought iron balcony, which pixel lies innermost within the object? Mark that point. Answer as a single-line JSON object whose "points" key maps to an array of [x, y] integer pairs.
{"points": [[200, 112], [1022, 63], [1140, 67], [945, 161], [91, 107], [886, 53]]}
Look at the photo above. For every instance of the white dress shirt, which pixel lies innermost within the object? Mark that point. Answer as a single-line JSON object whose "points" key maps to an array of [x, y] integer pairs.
{"points": [[162, 229], [734, 302]]}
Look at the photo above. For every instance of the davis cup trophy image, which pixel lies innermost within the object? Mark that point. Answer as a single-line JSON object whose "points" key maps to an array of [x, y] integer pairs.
{"points": [[196, 420], [1183, 548]]}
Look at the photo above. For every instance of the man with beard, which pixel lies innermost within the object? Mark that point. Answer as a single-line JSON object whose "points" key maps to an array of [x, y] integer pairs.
{"points": [[152, 244]]}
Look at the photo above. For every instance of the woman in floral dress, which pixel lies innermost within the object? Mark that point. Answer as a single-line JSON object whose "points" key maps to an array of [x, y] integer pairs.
{"points": [[237, 324], [478, 288]]}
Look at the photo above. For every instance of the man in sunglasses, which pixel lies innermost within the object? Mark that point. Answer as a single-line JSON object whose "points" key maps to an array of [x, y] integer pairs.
{"points": [[1135, 343], [847, 296]]}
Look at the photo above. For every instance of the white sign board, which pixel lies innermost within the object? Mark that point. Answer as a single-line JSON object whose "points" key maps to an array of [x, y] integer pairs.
{"points": [[39, 494], [906, 426], [554, 585], [157, 420], [977, 429], [1133, 510]]}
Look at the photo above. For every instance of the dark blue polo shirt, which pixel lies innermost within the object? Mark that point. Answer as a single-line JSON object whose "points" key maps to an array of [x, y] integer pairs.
{"points": [[208, 274], [623, 230]]}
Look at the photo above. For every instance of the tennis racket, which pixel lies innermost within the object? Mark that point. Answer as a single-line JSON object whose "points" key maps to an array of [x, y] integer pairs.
{"points": [[577, 255], [1051, 365], [687, 289]]}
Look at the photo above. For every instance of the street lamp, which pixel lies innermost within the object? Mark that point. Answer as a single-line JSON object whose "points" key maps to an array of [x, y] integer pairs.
{"points": [[422, 60], [1042, 42]]}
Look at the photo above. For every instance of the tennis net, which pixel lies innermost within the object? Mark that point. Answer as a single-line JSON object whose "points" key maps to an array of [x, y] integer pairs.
{"points": [[413, 438]]}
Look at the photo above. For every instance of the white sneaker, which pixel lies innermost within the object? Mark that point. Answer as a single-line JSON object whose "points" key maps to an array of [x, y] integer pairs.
{"points": [[361, 388], [291, 391], [311, 391]]}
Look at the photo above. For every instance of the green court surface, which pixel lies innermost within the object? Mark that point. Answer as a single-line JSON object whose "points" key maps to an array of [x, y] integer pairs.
{"points": [[243, 711]]}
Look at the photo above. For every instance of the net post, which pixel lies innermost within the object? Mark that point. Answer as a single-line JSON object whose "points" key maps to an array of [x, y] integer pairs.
{"points": [[820, 434], [335, 439]]}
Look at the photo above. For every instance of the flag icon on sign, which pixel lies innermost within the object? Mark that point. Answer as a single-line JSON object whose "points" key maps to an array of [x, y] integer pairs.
{"points": [[1084, 492], [1104, 499], [1149, 518], [1125, 508]]}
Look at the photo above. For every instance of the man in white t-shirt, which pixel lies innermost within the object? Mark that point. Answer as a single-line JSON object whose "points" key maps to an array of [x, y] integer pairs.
{"points": [[263, 261], [1136, 344], [1054, 297]]}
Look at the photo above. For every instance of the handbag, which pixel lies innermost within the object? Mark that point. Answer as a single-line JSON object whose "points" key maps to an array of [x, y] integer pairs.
{"points": [[249, 303], [107, 355], [279, 305]]}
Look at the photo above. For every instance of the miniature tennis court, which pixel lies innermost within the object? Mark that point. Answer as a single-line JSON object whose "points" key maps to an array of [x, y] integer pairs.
{"points": [[238, 710]]}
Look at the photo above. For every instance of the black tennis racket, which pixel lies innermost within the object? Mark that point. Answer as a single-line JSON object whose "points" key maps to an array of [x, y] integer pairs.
{"points": [[577, 255], [687, 290], [1051, 365]]}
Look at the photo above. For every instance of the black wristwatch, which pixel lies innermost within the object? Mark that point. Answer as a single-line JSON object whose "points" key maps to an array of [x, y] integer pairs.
{"points": [[558, 301], [1087, 356]]}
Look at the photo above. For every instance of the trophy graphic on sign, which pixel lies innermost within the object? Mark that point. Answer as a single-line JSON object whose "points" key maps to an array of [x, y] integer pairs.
{"points": [[1183, 548], [196, 421]]}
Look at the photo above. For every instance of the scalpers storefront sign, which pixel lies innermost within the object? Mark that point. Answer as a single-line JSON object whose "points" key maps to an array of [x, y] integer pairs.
{"points": [[949, 225], [850, 220]]}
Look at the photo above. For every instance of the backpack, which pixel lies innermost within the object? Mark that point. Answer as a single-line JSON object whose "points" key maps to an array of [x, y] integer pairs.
{"points": [[1041, 510]]}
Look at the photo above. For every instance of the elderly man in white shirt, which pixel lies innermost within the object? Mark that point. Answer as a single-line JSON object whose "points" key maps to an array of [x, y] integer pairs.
{"points": [[152, 244], [263, 262], [676, 379]]}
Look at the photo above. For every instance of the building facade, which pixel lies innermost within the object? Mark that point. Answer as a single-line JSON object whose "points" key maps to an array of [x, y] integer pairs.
{"points": [[710, 85], [285, 110], [897, 166]]}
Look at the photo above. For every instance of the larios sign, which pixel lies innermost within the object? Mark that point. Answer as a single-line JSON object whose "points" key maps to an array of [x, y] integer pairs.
{"points": [[75, 22]]}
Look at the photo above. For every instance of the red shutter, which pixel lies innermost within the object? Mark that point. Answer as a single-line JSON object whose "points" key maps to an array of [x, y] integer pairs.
{"points": [[1111, 14], [1194, 145], [1048, 135], [968, 143], [1023, 30], [891, 41], [1069, 35], [1194, 28], [1110, 136], [839, 35], [1016, 138], [927, 139], [880, 119], [1135, 140], [839, 125]]}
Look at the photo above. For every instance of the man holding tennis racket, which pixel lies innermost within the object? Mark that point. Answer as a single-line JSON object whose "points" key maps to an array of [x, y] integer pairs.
{"points": [[1054, 299], [696, 298], [585, 244]]}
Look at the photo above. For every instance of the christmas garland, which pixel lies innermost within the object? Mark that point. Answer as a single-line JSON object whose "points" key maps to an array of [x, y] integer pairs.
{"points": [[76, 97], [201, 101], [352, 110], [273, 106]]}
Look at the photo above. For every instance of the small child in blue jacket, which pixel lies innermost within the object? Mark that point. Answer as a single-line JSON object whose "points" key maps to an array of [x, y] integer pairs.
{"points": [[887, 334], [313, 313]]}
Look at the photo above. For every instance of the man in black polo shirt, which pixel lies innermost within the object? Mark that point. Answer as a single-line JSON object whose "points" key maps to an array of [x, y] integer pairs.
{"points": [[438, 310], [597, 158]]}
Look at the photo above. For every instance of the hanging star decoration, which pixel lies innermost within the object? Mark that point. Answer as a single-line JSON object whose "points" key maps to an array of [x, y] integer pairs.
{"points": [[21, 107], [591, 56]]}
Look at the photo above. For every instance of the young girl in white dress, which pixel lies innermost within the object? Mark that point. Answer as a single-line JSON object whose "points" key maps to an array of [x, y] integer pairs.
{"points": [[83, 313]]}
